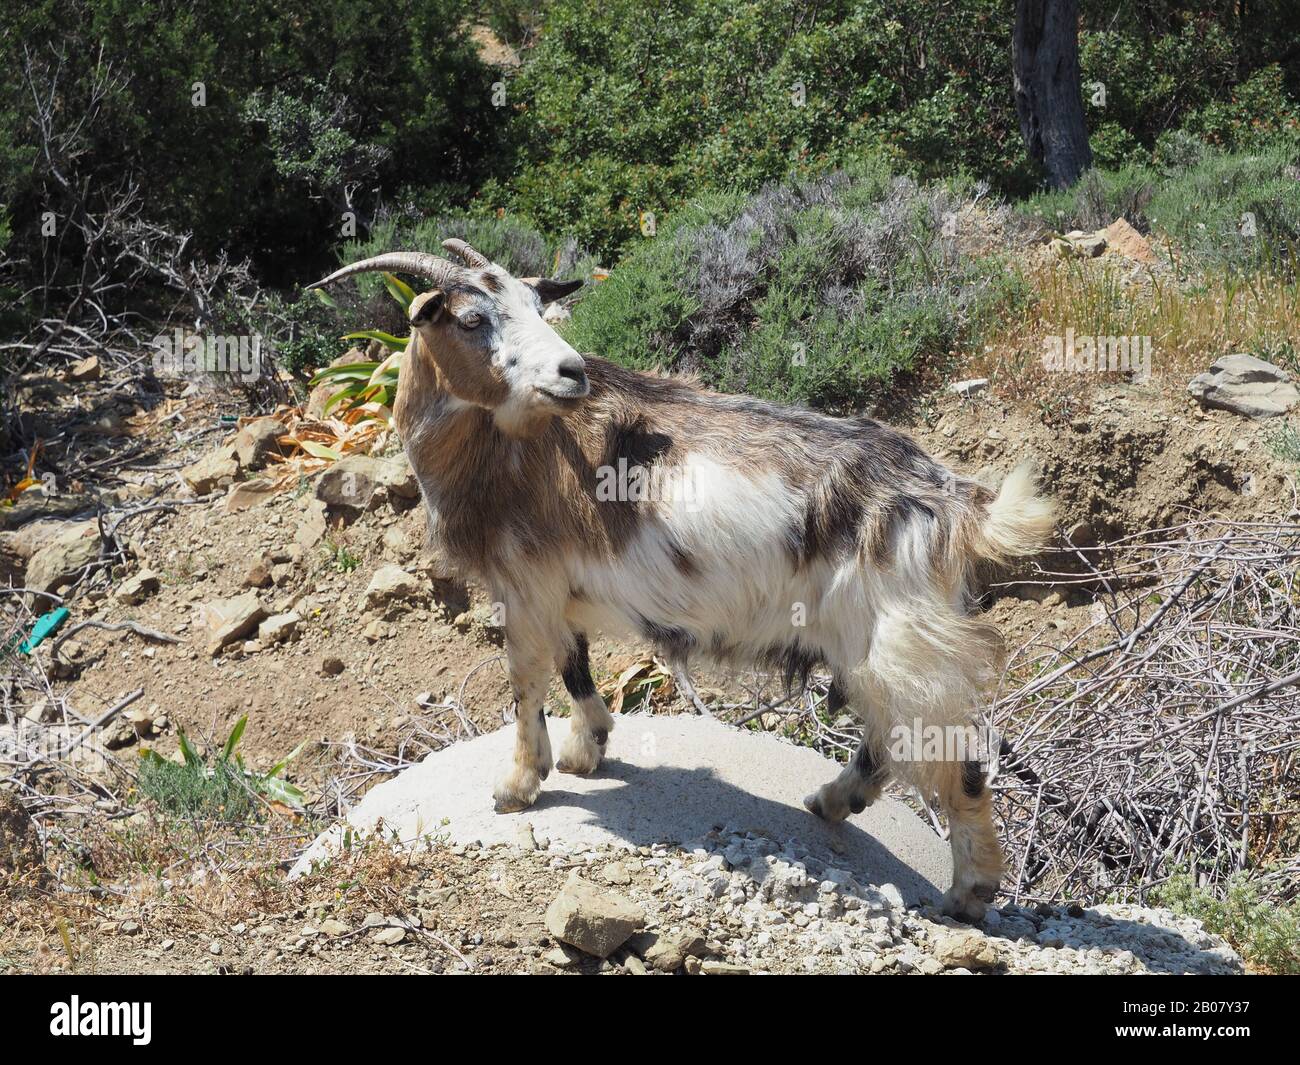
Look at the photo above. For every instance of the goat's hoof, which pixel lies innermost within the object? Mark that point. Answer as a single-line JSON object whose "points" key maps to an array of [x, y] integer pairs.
{"points": [[826, 807], [517, 792], [580, 754], [969, 904]]}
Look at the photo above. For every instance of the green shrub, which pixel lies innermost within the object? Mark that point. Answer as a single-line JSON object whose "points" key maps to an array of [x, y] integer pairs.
{"points": [[1238, 211], [1265, 933], [819, 292], [376, 98], [218, 788], [1100, 197], [1230, 210]]}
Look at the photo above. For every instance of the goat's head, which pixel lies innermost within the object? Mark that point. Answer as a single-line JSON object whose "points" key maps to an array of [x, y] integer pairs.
{"points": [[484, 329]]}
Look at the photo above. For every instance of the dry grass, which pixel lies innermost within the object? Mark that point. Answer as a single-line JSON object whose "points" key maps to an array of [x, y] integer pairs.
{"points": [[1191, 322]]}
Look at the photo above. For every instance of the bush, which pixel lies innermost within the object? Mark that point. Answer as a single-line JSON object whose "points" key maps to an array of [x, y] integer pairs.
{"points": [[218, 788], [1237, 211], [375, 99], [1265, 933], [819, 292], [1099, 197]]}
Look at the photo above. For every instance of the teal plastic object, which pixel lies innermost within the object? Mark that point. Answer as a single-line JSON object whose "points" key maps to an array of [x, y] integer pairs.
{"points": [[45, 625]]}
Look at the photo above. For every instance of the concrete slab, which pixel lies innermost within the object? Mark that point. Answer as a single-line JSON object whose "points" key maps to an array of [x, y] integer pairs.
{"points": [[664, 780]]}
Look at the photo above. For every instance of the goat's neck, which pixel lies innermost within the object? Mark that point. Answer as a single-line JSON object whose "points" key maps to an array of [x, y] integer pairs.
{"points": [[442, 434]]}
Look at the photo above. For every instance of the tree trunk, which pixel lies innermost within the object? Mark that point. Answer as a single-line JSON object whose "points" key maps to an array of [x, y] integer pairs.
{"points": [[1049, 98]]}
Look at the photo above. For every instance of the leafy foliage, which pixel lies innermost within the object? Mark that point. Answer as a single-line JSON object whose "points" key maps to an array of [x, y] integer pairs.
{"points": [[820, 292], [620, 110], [250, 170], [1265, 933], [219, 788], [1234, 210]]}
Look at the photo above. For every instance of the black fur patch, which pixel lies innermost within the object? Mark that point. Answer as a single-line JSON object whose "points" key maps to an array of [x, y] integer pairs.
{"points": [[635, 443], [972, 779], [794, 662], [674, 642], [577, 670]]}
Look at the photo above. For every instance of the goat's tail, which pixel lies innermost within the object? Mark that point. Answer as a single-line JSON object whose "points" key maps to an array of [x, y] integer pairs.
{"points": [[1018, 522]]}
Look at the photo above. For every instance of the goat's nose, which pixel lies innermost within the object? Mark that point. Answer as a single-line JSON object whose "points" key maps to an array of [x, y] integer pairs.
{"points": [[574, 370]]}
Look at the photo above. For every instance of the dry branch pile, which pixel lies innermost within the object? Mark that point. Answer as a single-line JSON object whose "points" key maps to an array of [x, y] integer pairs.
{"points": [[1166, 735]]}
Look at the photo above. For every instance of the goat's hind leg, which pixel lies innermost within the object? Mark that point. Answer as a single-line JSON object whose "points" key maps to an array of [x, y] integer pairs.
{"points": [[976, 856], [591, 721], [859, 783]]}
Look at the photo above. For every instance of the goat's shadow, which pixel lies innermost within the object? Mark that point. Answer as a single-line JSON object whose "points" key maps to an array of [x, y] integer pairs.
{"points": [[680, 806], [677, 805]]}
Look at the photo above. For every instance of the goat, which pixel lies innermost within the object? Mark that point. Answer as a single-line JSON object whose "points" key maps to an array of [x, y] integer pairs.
{"points": [[779, 537]]}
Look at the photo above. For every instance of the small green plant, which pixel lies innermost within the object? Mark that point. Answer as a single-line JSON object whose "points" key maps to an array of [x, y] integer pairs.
{"points": [[220, 788], [342, 560], [369, 386], [1284, 442], [1265, 933]]}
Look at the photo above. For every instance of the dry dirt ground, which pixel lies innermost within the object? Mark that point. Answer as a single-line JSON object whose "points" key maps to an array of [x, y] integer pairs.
{"points": [[1129, 457]]}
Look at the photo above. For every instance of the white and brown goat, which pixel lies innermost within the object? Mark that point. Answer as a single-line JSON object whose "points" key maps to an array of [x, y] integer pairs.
{"points": [[780, 537]]}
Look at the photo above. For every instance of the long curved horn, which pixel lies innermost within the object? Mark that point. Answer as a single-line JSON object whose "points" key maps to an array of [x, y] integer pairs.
{"points": [[471, 258], [431, 267]]}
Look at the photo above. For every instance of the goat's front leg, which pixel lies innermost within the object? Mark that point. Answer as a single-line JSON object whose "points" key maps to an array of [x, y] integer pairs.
{"points": [[591, 722], [860, 782], [530, 675]]}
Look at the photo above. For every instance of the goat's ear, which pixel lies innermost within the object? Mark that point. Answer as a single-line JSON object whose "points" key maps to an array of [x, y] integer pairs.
{"points": [[549, 290], [427, 306]]}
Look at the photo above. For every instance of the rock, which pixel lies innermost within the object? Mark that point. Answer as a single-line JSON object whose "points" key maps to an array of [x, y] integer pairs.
{"points": [[561, 957], [1090, 245], [1247, 386], [334, 928], [1079, 245], [332, 665], [313, 525], [21, 854], [1123, 239], [135, 590], [390, 585], [966, 950], [389, 937], [258, 575], [278, 628], [257, 441], [350, 483], [360, 482], [616, 874], [397, 476], [668, 951], [215, 470], [229, 620], [63, 559], [971, 387], [723, 968], [596, 922], [87, 369]]}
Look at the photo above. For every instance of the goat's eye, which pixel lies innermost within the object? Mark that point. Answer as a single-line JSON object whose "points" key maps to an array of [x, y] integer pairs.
{"points": [[470, 321]]}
